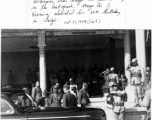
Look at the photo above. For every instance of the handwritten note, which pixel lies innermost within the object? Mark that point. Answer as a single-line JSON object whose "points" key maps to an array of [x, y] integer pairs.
{"points": [[76, 14]]}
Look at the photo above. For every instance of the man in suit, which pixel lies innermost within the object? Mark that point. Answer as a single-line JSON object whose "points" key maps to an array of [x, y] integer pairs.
{"points": [[83, 97], [69, 100]]}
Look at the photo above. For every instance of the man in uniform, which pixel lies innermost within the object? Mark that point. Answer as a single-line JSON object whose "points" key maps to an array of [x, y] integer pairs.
{"points": [[148, 77], [113, 77], [23, 100], [83, 97], [137, 78], [36, 91], [69, 100], [55, 98], [115, 102]]}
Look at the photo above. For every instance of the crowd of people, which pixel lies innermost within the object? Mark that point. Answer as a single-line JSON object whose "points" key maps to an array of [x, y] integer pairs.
{"points": [[141, 83], [73, 88], [90, 75], [70, 97]]}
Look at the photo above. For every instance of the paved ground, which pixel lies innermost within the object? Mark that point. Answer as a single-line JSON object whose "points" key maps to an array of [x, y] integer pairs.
{"points": [[99, 102], [134, 113]]}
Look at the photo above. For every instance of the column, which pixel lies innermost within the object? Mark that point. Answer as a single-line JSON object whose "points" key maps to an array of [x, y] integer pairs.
{"points": [[42, 66], [140, 48], [127, 53], [127, 60]]}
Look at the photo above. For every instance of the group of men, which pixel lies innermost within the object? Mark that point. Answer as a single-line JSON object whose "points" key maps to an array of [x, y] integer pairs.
{"points": [[140, 80], [70, 97]]}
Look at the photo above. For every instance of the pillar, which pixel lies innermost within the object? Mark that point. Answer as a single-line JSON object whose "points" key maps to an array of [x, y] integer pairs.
{"points": [[127, 60], [140, 48], [127, 53], [42, 66]]}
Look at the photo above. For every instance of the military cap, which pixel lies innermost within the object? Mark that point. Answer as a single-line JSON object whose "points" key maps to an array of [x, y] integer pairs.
{"points": [[134, 60], [112, 69]]}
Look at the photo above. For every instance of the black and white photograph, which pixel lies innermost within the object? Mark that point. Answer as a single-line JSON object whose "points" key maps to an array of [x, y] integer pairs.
{"points": [[75, 59], [75, 74]]}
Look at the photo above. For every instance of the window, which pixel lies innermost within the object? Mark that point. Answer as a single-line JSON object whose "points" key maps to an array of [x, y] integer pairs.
{"points": [[6, 108]]}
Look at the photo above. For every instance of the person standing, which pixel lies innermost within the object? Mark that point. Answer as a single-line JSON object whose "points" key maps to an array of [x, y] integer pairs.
{"points": [[146, 102], [55, 98], [36, 91], [83, 96], [10, 78], [123, 81], [137, 79], [148, 77], [105, 87], [69, 100], [113, 77], [115, 102]]}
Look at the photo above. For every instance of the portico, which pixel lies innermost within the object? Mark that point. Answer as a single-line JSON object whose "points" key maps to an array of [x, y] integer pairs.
{"points": [[44, 39]]}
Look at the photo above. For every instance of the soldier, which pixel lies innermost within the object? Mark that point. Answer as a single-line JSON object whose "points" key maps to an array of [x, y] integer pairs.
{"points": [[36, 91], [123, 81], [115, 102], [23, 100], [105, 87], [148, 77], [83, 97], [55, 99], [113, 77], [43, 100], [137, 79], [69, 100]]}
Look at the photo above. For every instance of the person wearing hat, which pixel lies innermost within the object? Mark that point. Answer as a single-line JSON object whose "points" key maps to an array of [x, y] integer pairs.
{"points": [[69, 100], [115, 102], [113, 77], [137, 79], [23, 100], [105, 87], [83, 96], [55, 98]]}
